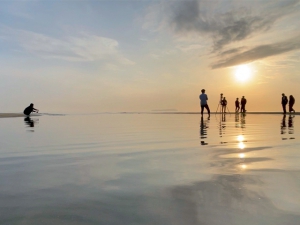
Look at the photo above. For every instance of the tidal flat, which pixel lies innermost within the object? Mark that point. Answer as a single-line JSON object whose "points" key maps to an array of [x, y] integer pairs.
{"points": [[162, 169]]}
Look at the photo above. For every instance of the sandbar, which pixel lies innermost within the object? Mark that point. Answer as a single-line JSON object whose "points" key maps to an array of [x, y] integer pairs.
{"points": [[9, 115]]}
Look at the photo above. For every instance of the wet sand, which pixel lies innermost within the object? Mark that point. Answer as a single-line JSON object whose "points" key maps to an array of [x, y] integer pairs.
{"points": [[258, 113], [7, 115], [150, 169], [10, 115]]}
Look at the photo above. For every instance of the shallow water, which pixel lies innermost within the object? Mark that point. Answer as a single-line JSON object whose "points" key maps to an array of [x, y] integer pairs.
{"points": [[150, 169]]}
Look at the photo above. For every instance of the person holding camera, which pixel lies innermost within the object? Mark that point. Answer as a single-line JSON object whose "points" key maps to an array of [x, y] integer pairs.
{"points": [[203, 102]]}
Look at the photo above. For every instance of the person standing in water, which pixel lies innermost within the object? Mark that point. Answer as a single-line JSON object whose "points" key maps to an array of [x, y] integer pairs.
{"points": [[237, 105], [30, 109], [243, 104], [203, 102], [291, 104], [284, 102], [224, 104]]}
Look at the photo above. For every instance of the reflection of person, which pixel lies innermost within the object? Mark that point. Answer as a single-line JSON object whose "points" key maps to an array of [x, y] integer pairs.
{"points": [[224, 104], [237, 118], [290, 121], [243, 120], [237, 105], [283, 124], [284, 102], [203, 102], [243, 104], [291, 104], [29, 121], [223, 118], [203, 130], [290, 124], [30, 109]]}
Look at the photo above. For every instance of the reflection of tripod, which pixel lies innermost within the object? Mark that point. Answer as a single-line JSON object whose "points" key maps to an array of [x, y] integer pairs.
{"points": [[222, 107]]}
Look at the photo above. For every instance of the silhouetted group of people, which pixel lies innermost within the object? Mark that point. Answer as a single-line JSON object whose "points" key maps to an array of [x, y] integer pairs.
{"points": [[285, 101], [203, 103], [243, 105]]}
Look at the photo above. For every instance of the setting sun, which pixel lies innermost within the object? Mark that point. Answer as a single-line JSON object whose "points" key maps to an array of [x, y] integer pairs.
{"points": [[243, 73]]}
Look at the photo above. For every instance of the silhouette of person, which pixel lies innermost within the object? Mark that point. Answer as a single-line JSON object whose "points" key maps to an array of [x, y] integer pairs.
{"points": [[243, 104], [203, 102], [284, 102], [237, 105], [291, 104], [30, 109], [224, 104]]}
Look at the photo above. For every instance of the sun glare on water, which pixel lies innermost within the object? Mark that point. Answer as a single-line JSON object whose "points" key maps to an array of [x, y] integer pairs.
{"points": [[243, 73]]}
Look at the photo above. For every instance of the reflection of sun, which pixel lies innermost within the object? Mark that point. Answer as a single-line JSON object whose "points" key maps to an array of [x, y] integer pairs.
{"points": [[240, 138], [242, 155], [241, 145], [243, 73], [243, 166]]}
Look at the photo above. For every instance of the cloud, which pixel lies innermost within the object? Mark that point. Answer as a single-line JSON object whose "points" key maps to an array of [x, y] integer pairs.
{"points": [[231, 51], [236, 24], [82, 48], [259, 52], [229, 28]]}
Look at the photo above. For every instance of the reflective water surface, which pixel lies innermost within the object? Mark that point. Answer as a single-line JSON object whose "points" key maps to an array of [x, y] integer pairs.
{"points": [[150, 169]]}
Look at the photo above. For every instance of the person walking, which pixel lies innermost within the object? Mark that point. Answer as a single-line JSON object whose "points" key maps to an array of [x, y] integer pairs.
{"points": [[30, 109], [291, 103], [237, 105], [243, 104], [284, 102], [203, 102]]}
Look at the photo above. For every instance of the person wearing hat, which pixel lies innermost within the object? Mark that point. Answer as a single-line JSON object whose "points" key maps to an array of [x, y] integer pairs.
{"points": [[203, 102], [284, 102], [30, 109], [243, 104]]}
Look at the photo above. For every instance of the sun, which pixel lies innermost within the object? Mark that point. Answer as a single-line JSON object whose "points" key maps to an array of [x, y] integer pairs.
{"points": [[243, 73]]}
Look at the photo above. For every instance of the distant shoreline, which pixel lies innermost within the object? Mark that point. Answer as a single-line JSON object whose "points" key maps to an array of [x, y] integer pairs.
{"points": [[270, 113], [10, 115], [205, 113]]}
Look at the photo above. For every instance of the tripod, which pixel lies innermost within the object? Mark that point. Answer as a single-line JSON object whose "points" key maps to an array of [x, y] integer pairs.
{"points": [[221, 107]]}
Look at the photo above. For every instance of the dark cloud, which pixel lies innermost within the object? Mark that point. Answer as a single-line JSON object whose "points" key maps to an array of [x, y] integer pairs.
{"points": [[186, 15], [259, 52], [225, 28], [231, 51], [240, 29]]}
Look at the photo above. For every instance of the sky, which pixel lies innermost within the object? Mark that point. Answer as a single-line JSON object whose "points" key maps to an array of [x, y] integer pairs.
{"points": [[86, 56]]}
